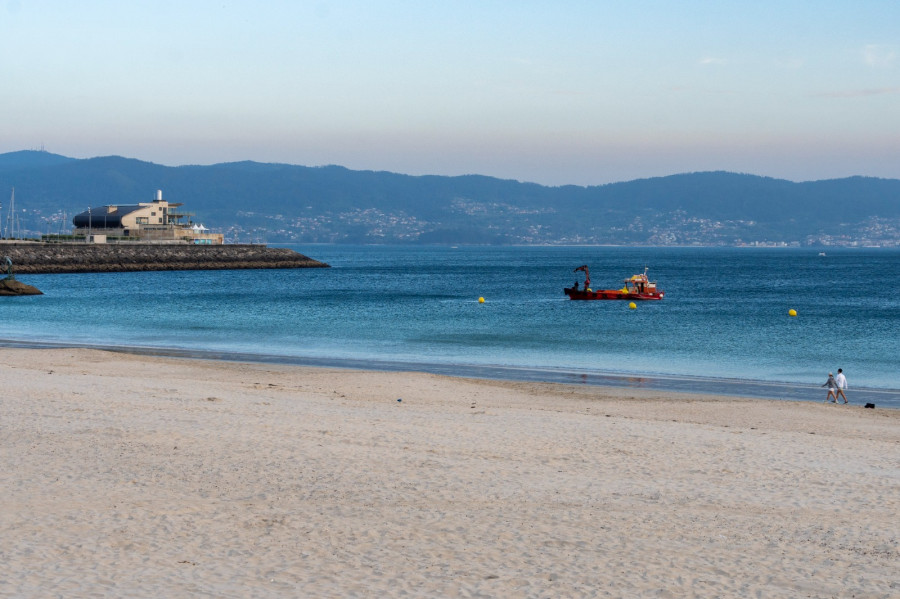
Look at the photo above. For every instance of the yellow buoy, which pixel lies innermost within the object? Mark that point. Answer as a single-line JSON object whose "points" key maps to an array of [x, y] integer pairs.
{"points": [[480, 300], [792, 312], [632, 305]]}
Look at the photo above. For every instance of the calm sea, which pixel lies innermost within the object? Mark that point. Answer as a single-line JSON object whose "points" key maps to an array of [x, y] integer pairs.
{"points": [[723, 326]]}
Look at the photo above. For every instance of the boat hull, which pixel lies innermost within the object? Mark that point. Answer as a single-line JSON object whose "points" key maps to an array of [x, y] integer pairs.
{"points": [[611, 294]]}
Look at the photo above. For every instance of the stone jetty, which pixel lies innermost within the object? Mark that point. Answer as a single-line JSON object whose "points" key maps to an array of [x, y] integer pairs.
{"points": [[46, 258]]}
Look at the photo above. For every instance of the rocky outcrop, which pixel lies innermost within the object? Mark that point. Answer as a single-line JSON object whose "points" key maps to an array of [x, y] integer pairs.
{"points": [[44, 258], [9, 286]]}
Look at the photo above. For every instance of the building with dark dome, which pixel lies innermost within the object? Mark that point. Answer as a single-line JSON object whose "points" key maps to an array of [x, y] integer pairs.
{"points": [[155, 221]]}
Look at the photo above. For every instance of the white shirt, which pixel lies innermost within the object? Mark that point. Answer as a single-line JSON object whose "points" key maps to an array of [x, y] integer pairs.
{"points": [[841, 380]]}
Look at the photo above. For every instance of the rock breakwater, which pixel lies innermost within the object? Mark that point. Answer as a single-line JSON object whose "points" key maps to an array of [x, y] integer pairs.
{"points": [[10, 286], [47, 258]]}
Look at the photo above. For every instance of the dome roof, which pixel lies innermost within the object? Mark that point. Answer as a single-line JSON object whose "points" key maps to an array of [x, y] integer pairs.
{"points": [[104, 217]]}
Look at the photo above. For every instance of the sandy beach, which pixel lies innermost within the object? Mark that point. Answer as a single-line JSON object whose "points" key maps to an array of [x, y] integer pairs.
{"points": [[134, 476]]}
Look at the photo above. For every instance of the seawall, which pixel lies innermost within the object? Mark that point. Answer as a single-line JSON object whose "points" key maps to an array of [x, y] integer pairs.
{"points": [[46, 258]]}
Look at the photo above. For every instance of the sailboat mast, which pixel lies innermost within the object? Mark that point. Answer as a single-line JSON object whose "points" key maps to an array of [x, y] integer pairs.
{"points": [[12, 212], [9, 214]]}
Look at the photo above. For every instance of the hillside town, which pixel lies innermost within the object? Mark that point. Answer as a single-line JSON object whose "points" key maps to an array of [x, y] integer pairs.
{"points": [[496, 223], [675, 229]]}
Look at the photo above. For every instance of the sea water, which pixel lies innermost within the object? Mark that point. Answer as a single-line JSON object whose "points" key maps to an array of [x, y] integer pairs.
{"points": [[724, 325]]}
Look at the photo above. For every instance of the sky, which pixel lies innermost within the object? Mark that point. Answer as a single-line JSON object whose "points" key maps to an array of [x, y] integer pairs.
{"points": [[552, 92]]}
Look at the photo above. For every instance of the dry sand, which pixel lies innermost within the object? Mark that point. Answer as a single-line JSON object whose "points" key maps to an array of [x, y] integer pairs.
{"points": [[129, 476]]}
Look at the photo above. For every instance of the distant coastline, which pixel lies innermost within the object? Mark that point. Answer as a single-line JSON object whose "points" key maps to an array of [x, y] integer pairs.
{"points": [[282, 203]]}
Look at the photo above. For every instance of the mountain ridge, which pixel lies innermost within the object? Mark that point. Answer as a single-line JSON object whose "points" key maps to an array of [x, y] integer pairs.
{"points": [[292, 203]]}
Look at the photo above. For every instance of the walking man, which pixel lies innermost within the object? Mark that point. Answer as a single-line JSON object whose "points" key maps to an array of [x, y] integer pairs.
{"points": [[841, 381]]}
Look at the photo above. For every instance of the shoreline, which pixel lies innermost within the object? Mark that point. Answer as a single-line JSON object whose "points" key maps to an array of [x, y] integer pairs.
{"points": [[146, 476], [759, 389]]}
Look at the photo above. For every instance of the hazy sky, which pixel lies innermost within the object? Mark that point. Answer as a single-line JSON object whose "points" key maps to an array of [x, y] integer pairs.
{"points": [[554, 92]]}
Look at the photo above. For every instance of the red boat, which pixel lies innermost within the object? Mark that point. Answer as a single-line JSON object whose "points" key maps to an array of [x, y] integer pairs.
{"points": [[638, 287]]}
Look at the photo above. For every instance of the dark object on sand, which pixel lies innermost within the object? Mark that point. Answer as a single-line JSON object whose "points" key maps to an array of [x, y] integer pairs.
{"points": [[870, 405]]}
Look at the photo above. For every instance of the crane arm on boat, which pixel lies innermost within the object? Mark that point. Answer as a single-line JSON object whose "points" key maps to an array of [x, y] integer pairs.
{"points": [[587, 275]]}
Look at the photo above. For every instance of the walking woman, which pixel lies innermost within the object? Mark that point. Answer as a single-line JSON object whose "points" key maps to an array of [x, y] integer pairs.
{"points": [[832, 388]]}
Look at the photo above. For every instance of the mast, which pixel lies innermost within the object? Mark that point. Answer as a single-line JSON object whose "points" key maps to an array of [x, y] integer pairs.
{"points": [[9, 232]]}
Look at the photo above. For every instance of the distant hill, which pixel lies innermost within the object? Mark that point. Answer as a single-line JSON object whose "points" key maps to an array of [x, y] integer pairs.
{"points": [[284, 203], [31, 159]]}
